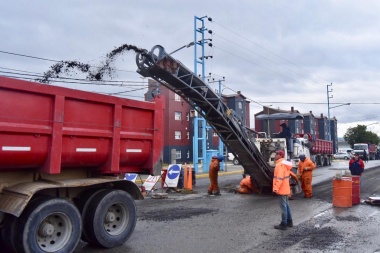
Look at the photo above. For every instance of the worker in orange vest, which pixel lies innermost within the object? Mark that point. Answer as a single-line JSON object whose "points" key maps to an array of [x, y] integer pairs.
{"points": [[213, 189], [281, 186], [246, 186], [305, 172]]}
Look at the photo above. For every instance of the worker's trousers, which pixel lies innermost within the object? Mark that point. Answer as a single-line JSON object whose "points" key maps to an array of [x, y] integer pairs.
{"points": [[286, 213], [213, 175]]}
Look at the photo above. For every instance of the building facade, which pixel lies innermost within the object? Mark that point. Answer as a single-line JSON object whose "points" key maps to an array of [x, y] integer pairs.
{"points": [[317, 126], [177, 139], [179, 116], [178, 122]]}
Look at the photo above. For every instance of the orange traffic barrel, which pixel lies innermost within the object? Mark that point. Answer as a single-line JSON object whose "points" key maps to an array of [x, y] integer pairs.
{"points": [[355, 190], [342, 192]]}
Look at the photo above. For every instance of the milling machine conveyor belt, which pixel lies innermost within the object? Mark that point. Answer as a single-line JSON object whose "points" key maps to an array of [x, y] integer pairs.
{"points": [[159, 65]]}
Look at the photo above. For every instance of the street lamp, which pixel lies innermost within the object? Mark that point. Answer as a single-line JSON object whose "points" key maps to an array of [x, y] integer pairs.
{"points": [[339, 105], [328, 107], [187, 45], [372, 124], [331, 107]]}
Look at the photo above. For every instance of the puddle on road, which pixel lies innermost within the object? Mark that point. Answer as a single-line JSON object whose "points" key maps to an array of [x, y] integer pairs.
{"points": [[175, 213]]}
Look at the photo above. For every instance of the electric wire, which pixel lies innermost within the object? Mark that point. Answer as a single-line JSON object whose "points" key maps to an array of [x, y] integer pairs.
{"points": [[357, 110]]}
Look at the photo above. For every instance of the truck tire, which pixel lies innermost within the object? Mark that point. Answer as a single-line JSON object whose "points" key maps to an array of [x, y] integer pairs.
{"points": [[110, 218], [82, 204], [7, 233], [235, 161], [48, 225]]}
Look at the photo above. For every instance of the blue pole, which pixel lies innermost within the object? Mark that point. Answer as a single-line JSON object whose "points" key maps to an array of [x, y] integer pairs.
{"points": [[202, 122], [221, 146]]}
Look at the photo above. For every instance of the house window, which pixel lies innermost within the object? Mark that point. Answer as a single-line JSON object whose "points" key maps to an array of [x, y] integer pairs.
{"points": [[177, 115], [188, 154], [187, 116], [214, 134], [240, 105], [178, 154], [188, 135], [177, 135], [177, 97]]}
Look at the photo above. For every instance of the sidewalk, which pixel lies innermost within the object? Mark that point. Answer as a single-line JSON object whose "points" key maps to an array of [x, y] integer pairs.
{"points": [[229, 169]]}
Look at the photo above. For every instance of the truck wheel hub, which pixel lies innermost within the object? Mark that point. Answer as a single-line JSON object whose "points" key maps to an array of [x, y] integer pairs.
{"points": [[46, 229], [110, 217]]}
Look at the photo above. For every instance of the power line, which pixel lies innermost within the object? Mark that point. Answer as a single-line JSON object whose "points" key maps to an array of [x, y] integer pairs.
{"points": [[28, 56], [260, 46], [118, 83], [263, 57], [256, 64], [45, 59]]}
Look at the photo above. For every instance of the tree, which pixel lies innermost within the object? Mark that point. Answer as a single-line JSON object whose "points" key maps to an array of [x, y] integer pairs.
{"points": [[360, 134]]}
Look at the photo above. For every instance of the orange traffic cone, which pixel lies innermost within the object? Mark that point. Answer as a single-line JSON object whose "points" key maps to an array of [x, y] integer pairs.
{"points": [[185, 176], [190, 179]]}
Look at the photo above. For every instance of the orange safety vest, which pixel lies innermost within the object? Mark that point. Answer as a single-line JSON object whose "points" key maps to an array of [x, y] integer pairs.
{"points": [[281, 184]]}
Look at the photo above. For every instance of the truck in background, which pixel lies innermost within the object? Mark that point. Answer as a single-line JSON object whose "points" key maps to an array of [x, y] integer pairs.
{"points": [[360, 148], [348, 151], [372, 151], [61, 154], [321, 151]]}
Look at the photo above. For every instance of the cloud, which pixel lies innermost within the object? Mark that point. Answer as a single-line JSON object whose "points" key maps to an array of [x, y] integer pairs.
{"points": [[277, 51]]}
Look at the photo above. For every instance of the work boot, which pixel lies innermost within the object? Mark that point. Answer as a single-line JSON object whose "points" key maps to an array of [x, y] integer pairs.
{"points": [[217, 193], [281, 226], [290, 224], [209, 193]]}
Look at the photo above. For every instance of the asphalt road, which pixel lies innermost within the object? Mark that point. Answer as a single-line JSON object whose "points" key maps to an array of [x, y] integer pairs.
{"points": [[244, 223]]}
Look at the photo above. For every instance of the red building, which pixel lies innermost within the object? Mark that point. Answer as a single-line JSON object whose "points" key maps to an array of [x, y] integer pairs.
{"points": [[317, 126], [271, 127], [178, 139]]}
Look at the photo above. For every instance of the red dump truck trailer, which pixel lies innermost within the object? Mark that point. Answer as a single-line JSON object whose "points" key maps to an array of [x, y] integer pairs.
{"points": [[372, 150], [321, 151], [62, 153]]}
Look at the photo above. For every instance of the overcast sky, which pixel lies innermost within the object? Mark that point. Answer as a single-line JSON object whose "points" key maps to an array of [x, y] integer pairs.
{"points": [[278, 53]]}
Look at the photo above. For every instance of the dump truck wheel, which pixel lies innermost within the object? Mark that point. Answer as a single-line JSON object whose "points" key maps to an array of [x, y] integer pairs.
{"points": [[82, 204], [110, 218], [48, 225], [7, 233]]}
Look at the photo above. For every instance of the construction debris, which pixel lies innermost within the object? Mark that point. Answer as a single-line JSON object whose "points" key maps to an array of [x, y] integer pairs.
{"points": [[160, 196]]}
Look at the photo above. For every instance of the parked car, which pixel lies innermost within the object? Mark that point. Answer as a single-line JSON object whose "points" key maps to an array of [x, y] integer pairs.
{"points": [[344, 156], [232, 158]]}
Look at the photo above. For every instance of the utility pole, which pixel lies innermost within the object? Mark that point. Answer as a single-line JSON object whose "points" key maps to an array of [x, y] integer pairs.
{"points": [[221, 144], [199, 29], [328, 108]]}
